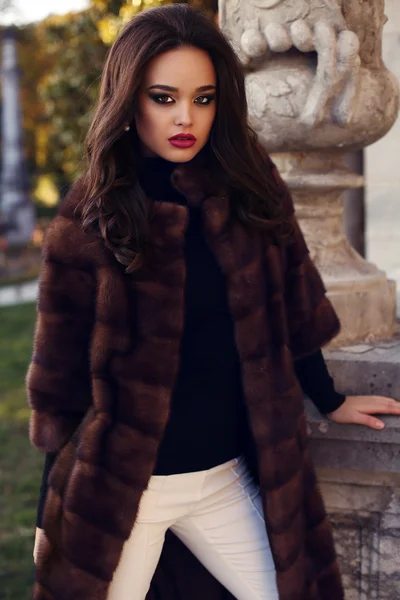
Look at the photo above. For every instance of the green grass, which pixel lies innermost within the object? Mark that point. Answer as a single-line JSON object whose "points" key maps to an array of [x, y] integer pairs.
{"points": [[31, 275], [20, 464]]}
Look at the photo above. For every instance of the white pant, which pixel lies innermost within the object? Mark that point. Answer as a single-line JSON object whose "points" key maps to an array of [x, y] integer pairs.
{"points": [[218, 515]]}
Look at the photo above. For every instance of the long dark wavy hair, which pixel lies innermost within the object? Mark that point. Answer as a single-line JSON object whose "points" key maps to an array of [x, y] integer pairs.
{"points": [[113, 201]]}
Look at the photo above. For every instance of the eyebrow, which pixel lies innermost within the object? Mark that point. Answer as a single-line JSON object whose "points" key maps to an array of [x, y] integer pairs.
{"points": [[168, 88]]}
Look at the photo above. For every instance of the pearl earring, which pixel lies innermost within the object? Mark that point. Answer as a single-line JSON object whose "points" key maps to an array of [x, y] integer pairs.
{"points": [[127, 127]]}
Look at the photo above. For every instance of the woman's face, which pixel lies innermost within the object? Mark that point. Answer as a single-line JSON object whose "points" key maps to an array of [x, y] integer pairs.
{"points": [[177, 96]]}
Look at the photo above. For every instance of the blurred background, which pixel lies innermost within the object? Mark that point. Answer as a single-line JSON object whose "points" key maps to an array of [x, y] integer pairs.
{"points": [[51, 59]]}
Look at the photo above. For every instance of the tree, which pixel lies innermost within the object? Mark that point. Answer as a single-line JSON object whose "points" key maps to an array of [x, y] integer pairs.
{"points": [[116, 12], [209, 7], [61, 59], [34, 62]]}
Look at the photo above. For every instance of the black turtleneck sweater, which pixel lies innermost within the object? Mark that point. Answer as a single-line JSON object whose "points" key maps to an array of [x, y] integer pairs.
{"points": [[207, 423]]}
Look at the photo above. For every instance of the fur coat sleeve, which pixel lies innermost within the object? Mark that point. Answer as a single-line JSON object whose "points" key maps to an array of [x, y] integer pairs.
{"points": [[312, 321], [58, 383]]}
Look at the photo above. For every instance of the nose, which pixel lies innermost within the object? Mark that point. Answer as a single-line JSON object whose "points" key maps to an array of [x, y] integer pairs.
{"points": [[183, 115]]}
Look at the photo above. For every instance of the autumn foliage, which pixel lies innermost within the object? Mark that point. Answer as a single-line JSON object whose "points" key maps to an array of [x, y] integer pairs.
{"points": [[61, 60]]}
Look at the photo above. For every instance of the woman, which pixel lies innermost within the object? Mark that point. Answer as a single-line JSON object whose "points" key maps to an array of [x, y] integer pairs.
{"points": [[178, 312]]}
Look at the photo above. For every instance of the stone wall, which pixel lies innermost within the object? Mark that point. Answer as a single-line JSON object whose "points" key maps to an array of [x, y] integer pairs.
{"points": [[359, 474], [365, 514], [382, 171]]}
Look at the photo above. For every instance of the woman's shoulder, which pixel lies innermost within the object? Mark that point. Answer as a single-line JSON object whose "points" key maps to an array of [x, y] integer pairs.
{"points": [[65, 240], [71, 205]]}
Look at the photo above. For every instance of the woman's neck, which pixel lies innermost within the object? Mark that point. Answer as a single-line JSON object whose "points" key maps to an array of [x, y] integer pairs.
{"points": [[155, 178]]}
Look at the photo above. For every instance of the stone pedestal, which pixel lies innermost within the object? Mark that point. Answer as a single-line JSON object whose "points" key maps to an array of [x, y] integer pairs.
{"points": [[360, 292]]}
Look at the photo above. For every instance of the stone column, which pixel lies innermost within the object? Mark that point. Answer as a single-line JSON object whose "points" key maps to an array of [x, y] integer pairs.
{"points": [[317, 88], [16, 208]]}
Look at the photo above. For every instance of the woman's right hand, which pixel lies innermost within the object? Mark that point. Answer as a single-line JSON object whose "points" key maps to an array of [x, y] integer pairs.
{"points": [[39, 533]]}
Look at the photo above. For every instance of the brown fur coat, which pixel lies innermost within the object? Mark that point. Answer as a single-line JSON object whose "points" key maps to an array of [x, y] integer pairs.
{"points": [[108, 344]]}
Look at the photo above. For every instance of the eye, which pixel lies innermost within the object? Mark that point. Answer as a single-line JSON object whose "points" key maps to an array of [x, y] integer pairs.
{"points": [[205, 100], [161, 98]]}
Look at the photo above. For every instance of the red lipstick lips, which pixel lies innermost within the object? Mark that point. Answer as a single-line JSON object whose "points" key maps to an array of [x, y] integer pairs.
{"points": [[182, 140], [186, 136]]}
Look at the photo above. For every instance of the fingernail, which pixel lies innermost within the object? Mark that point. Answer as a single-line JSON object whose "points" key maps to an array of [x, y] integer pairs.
{"points": [[380, 425]]}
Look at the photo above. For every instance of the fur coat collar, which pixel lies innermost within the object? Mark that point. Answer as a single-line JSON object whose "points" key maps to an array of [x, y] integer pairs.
{"points": [[107, 344]]}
